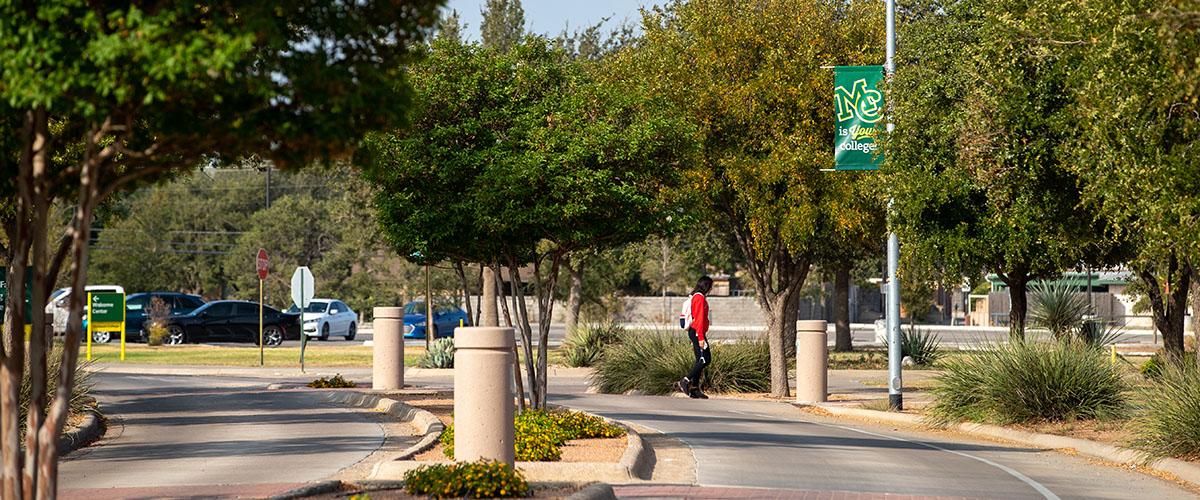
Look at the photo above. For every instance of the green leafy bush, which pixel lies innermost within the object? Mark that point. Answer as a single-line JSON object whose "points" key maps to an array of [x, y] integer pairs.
{"points": [[653, 361], [1171, 423], [587, 341], [923, 346], [334, 382], [482, 479], [1026, 382], [439, 355], [1155, 365], [540, 434]]}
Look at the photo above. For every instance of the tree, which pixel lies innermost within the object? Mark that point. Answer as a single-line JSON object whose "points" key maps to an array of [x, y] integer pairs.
{"points": [[99, 96], [976, 164], [503, 24], [1138, 133], [525, 158], [450, 28], [749, 74]]}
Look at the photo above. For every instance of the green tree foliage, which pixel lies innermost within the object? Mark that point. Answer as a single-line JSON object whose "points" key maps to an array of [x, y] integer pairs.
{"points": [[976, 164], [749, 73], [98, 96], [503, 24], [521, 157]]}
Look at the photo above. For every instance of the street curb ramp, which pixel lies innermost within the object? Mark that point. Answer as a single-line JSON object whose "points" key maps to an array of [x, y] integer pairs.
{"points": [[1185, 471]]}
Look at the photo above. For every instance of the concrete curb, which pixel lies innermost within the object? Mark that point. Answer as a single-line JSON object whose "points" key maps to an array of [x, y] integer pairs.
{"points": [[91, 428], [633, 462], [597, 491], [1185, 471], [424, 421]]}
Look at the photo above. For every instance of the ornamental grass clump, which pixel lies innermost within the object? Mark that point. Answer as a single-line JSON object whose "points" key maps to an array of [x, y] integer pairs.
{"points": [[481, 479], [652, 361], [587, 341], [1170, 425], [1028, 382]]}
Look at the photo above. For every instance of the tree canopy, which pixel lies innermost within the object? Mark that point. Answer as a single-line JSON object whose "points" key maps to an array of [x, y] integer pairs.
{"points": [[749, 74], [97, 96], [520, 157]]}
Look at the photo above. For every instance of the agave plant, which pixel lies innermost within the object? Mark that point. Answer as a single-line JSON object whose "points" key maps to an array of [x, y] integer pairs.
{"points": [[1057, 307], [923, 346], [440, 354]]}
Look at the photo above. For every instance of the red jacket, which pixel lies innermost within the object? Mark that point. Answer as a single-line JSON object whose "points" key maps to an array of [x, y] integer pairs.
{"points": [[700, 319]]}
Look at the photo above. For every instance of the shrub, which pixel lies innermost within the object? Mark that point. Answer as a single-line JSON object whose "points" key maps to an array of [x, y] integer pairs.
{"points": [[1171, 423], [1028, 381], [79, 392], [482, 479], [1057, 307], [334, 382], [587, 341], [439, 355], [156, 318], [1099, 334], [653, 361], [1155, 365], [540, 434], [923, 346]]}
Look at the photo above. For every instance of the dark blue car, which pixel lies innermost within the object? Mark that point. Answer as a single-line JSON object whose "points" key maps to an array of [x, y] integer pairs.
{"points": [[138, 305], [446, 317]]}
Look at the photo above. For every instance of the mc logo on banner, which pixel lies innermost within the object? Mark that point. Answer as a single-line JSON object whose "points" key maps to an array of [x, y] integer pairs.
{"points": [[859, 107]]}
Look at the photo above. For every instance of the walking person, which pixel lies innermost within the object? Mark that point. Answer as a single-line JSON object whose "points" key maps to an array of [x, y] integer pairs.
{"points": [[695, 319]]}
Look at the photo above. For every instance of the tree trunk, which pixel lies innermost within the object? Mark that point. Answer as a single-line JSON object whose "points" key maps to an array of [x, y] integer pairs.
{"points": [[841, 299], [1169, 305], [575, 298], [1195, 278], [498, 292], [1018, 300], [489, 316], [522, 325], [466, 287]]}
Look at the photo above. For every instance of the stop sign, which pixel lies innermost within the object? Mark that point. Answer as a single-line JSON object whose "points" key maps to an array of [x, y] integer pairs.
{"points": [[260, 264]]}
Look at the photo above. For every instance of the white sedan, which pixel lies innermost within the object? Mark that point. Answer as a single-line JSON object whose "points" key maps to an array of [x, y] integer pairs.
{"points": [[325, 317]]}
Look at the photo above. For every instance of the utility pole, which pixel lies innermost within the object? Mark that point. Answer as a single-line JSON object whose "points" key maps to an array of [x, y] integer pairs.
{"points": [[895, 383]]}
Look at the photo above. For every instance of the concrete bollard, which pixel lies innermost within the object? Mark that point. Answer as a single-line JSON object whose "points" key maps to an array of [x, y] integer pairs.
{"points": [[387, 368], [483, 399], [812, 362]]}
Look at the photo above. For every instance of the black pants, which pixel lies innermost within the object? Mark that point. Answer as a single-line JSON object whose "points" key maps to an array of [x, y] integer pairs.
{"points": [[703, 358]]}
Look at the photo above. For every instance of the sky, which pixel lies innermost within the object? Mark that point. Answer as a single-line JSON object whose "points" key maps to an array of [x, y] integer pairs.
{"points": [[549, 17]]}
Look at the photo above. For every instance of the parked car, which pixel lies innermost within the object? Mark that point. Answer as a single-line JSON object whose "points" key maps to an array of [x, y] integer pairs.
{"points": [[446, 317], [57, 306], [323, 317], [230, 321], [137, 306]]}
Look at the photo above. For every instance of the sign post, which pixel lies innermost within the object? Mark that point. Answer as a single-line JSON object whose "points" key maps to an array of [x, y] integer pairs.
{"points": [[261, 264], [105, 312], [302, 293]]}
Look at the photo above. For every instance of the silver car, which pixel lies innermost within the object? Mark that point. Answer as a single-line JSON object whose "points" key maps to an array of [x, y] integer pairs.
{"points": [[325, 317]]}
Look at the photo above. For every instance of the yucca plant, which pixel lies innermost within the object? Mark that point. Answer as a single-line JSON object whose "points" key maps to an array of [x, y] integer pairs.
{"points": [[923, 346], [1057, 307], [439, 355], [587, 341], [1028, 381], [1099, 334]]}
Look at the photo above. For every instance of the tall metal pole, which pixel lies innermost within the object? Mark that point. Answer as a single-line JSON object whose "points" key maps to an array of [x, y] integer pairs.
{"points": [[429, 333], [895, 383]]}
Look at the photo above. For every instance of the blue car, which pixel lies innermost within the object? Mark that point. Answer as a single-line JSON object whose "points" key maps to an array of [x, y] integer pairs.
{"points": [[446, 317]]}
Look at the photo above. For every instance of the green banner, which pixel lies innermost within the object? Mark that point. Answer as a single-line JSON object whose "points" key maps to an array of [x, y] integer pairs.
{"points": [[28, 293], [106, 308], [858, 105]]}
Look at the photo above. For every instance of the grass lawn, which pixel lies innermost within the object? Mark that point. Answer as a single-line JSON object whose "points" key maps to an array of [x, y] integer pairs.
{"points": [[314, 355]]}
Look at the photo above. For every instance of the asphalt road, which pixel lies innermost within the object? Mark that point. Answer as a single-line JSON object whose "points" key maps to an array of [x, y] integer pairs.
{"points": [[773, 445], [186, 430]]}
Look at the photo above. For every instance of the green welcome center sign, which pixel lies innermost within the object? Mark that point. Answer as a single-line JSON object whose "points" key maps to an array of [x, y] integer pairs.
{"points": [[859, 107], [106, 311]]}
